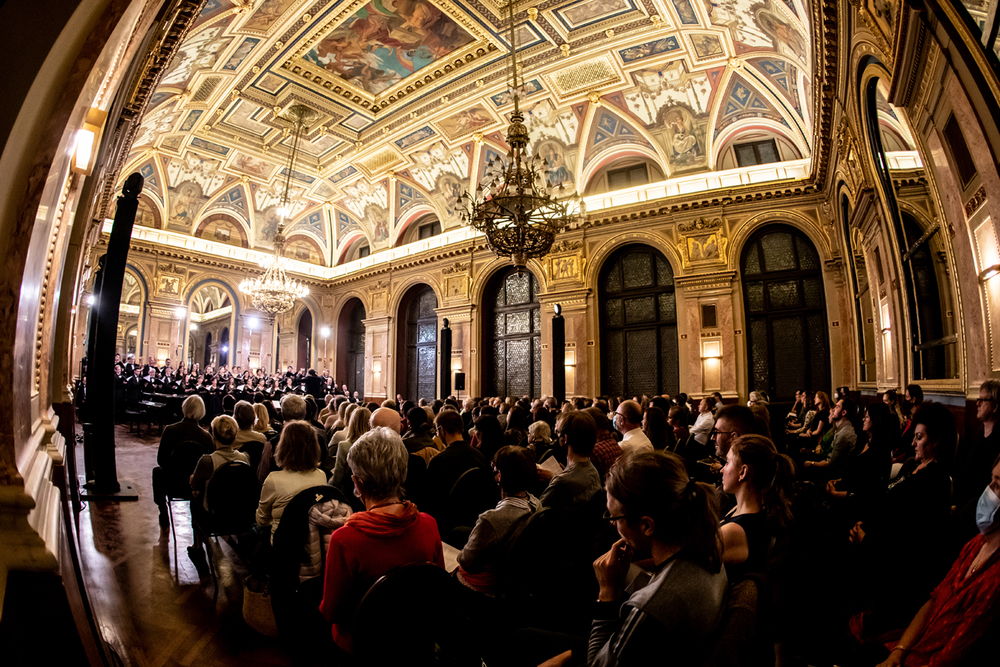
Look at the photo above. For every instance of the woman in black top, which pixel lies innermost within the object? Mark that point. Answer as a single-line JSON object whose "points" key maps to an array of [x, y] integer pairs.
{"points": [[760, 478], [864, 483]]}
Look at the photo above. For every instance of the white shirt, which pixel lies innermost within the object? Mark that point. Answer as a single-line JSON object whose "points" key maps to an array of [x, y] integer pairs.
{"points": [[636, 440], [702, 428]]}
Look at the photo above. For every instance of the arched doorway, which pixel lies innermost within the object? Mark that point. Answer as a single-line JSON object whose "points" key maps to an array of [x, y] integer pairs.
{"points": [[129, 315], [211, 314], [512, 341], [416, 344], [787, 346], [638, 324], [351, 346], [303, 340]]}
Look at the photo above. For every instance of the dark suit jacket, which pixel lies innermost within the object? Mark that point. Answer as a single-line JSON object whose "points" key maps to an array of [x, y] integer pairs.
{"points": [[445, 469], [315, 386], [175, 434]]}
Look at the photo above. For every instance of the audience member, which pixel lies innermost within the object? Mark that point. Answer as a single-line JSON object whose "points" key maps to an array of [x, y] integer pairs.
{"points": [[457, 457], [248, 440], [579, 481], [387, 417], [844, 439], [224, 432], [761, 480], [490, 437], [359, 425], [702, 429], [654, 426], [628, 422], [863, 484], [975, 457], [481, 560], [913, 399], [418, 439], [606, 449], [659, 511], [187, 429], [298, 458], [389, 533]]}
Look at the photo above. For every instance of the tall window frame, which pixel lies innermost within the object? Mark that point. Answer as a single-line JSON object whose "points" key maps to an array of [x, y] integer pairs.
{"points": [[512, 325]]}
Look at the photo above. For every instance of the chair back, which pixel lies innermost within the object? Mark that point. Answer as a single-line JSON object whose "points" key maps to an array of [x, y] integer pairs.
{"points": [[289, 543], [183, 460], [435, 630], [416, 479], [474, 492], [232, 496]]}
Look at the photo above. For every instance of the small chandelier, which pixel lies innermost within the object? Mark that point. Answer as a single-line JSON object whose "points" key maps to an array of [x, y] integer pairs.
{"points": [[515, 205], [274, 292]]}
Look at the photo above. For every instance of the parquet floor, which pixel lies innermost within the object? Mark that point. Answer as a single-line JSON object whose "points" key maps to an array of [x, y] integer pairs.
{"points": [[152, 609]]}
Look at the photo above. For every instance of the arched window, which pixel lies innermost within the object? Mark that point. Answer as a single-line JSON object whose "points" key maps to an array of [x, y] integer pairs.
{"points": [[416, 357], [512, 336], [208, 349], [638, 324], [787, 347], [351, 346], [927, 297], [303, 341]]}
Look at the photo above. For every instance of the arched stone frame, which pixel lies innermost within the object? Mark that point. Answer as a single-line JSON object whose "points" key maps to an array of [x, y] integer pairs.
{"points": [[348, 240], [713, 117], [477, 291], [310, 303], [731, 135], [144, 282], [397, 321], [834, 280], [234, 318], [229, 216], [156, 206], [336, 313], [585, 171], [340, 312], [686, 345], [311, 240], [869, 73], [415, 214], [610, 156]]}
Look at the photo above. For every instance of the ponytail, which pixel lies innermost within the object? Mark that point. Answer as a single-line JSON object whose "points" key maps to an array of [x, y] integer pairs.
{"points": [[771, 475], [685, 512]]}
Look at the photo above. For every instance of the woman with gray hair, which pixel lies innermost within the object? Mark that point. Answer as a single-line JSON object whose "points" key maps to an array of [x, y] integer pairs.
{"points": [[390, 532]]}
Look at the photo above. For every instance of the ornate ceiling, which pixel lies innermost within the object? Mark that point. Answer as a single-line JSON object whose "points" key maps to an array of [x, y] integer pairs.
{"points": [[413, 101]]}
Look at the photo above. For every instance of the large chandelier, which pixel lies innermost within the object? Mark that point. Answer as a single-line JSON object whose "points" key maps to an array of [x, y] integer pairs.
{"points": [[274, 292], [515, 205]]}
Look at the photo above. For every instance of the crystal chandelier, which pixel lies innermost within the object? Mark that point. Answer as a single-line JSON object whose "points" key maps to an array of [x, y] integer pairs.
{"points": [[274, 292], [515, 205]]}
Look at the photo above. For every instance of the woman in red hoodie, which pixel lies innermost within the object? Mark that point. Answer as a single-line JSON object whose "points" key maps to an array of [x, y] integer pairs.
{"points": [[390, 532]]}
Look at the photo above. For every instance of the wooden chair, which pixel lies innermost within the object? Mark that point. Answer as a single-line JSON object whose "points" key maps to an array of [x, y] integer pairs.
{"points": [[232, 496]]}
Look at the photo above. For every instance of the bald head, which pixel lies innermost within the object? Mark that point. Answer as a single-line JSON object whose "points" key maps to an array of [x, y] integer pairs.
{"points": [[386, 417]]}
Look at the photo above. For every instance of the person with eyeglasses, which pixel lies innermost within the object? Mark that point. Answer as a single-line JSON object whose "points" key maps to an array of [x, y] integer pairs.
{"points": [[661, 514], [458, 456], [576, 434], [628, 422]]}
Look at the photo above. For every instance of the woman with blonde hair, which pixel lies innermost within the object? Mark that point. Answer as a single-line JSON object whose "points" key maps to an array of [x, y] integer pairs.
{"points": [[263, 422], [358, 425]]}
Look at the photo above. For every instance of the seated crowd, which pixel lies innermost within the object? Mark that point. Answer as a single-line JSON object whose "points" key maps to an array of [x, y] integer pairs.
{"points": [[609, 531]]}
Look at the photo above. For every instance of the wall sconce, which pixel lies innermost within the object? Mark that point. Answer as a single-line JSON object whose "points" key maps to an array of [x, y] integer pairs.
{"points": [[325, 332], [711, 365], [456, 364], [193, 327], [87, 141], [377, 368], [252, 323], [180, 312], [91, 299], [569, 363]]}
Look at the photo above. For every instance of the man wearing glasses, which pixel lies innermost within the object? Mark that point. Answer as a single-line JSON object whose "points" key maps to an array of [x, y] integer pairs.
{"points": [[628, 422], [731, 422]]}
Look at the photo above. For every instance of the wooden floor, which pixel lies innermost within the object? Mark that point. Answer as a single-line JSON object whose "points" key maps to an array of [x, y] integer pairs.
{"points": [[151, 607]]}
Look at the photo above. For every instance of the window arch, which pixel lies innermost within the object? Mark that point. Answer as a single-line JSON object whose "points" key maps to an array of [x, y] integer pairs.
{"points": [[927, 298], [638, 324], [512, 326], [785, 309], [416, 344]]}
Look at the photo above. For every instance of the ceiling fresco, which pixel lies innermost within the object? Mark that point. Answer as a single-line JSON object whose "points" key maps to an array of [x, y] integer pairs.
{"points": [[412, 102]]}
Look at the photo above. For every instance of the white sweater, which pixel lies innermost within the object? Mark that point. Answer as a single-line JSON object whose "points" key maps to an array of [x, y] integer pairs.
{"points": [[279, 489]]}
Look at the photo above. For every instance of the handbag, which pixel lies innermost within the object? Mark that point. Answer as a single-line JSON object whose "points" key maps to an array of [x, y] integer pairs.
{"points": [[257, 610]]}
